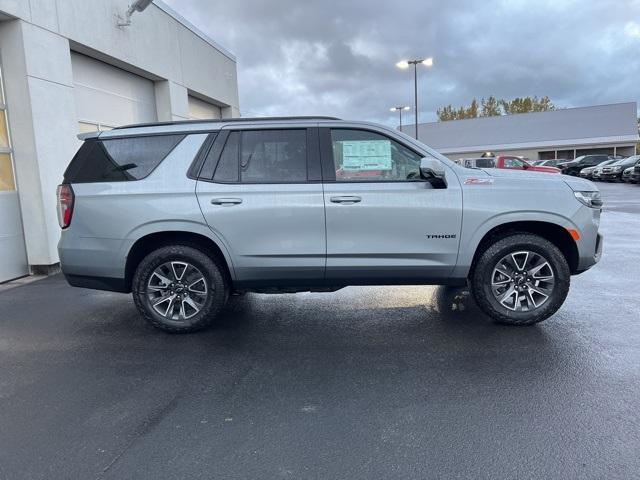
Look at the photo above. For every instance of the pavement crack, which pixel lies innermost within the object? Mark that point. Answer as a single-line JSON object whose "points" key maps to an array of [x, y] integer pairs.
{"points": [[151, 421]]}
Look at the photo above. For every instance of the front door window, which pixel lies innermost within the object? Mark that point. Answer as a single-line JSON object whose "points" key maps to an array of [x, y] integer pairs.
{"points": [[360, 155]]}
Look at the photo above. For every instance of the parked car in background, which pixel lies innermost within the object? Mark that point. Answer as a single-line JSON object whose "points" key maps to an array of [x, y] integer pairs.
{"points": [[508, 162], [589, 171], [480, 162], [626, 175], [512, 162], [635, 175], [573, 167], [613, 171], [547, 163], [183, 214]]}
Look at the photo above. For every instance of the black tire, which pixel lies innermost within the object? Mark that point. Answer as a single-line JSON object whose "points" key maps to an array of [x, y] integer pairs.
{"points": [[481, 278], [217, 290]]}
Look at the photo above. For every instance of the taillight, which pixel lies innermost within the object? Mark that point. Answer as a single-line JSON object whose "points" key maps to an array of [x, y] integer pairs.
{"points": [[65, 205]]}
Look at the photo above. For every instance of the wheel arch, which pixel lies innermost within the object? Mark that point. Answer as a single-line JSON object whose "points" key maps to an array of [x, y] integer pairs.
{"points": [[151, 241], [556, 234]]}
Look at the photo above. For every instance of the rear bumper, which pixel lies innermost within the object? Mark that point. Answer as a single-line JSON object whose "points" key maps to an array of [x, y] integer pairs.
{"points": [[97, 283], [92, 262]]}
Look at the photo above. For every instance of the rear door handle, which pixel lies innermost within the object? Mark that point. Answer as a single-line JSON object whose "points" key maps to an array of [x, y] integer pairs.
{"points": [[346, 199], [226, 201]]}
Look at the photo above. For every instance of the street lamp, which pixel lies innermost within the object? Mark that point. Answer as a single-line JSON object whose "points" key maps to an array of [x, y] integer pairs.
{"points": [[399, 109], [404, 64]]}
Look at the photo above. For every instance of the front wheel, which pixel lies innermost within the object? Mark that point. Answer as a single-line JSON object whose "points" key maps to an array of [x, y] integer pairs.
{"points": [[179, 289], [521, 279]]}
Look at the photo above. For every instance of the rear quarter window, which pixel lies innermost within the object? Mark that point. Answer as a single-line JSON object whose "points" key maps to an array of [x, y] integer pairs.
{"points": [[119, 159]]}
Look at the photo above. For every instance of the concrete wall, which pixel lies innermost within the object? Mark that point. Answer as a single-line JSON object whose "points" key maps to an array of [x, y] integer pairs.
{"points": [[156, 45], [35, 52]]}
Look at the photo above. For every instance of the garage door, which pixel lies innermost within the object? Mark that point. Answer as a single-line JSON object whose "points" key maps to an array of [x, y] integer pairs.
{"points": [[201, 110], [107, 96]]}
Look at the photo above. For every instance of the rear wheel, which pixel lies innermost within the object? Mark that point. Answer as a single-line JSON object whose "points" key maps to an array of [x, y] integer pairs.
{"points": [[179, 289], [521, 279]]}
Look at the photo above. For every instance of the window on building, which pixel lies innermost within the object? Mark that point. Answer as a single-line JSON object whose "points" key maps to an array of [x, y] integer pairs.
{"points": [[4, 131], [564, 154], [550, 155], [595, 151], [7, 179], [360, 155]]}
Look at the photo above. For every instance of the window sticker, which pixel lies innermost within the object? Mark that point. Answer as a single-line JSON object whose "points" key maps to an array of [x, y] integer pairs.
{"points": [[365, 155]]}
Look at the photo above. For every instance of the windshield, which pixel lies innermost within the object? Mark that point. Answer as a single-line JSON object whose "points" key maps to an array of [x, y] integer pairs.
{"points": [[628, 161], [606, 162]]}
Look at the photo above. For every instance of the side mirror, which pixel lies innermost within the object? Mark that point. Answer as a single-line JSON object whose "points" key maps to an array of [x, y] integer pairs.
{"points": [[432, 170]]}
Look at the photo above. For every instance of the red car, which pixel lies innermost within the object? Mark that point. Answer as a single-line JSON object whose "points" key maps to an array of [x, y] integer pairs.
{"points": [[518, 163]]}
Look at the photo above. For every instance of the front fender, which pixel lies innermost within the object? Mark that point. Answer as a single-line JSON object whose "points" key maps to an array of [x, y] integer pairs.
{"points": [[472, 235]]}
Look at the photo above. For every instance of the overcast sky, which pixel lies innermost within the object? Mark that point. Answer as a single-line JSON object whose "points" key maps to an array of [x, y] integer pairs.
{"points": [[337, 57]]}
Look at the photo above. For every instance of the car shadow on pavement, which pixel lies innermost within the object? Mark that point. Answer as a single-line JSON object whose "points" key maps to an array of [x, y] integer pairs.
{"points": [[428, 316]]}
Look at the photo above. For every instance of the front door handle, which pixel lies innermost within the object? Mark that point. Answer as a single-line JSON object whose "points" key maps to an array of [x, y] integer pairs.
{"points": [[346, 199], [228, 202]]}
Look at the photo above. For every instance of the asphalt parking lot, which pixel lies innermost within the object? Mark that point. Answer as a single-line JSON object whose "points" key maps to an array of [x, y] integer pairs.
{"points": [[364, 383]]}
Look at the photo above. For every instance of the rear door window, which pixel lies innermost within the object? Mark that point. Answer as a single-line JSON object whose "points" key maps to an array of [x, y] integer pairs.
{"points": [[227, 169], [273, 156], [119, 159], [263, 156]]}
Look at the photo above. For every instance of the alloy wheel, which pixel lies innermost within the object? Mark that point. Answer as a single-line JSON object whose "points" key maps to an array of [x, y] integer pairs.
{"points": [[522, 281], [177, 290]]}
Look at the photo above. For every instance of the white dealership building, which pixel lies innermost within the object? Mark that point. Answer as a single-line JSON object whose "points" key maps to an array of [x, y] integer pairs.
{"points": [[68, 67], [558, 134]]}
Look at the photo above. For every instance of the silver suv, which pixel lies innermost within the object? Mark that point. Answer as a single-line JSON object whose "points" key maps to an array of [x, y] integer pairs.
{"points": [[184, 214]]}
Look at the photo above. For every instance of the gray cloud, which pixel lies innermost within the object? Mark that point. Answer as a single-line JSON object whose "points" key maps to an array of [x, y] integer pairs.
{"points": [[337, 57]]}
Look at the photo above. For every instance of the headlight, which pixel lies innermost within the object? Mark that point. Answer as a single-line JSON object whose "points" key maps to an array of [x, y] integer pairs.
{"points": [[590, 199], [617, 169]]}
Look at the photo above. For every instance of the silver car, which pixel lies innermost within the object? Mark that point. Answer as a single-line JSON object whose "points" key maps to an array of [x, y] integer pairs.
{"points": [[183, 214]]}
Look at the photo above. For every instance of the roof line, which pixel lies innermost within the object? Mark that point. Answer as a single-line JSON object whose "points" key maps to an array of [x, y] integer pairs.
{"points": [[407, 125], [186, 23], [222, 120]]}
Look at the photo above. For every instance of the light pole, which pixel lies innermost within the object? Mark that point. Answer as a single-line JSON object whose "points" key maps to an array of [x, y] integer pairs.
{"points": [[427, 62], [399, 109]]}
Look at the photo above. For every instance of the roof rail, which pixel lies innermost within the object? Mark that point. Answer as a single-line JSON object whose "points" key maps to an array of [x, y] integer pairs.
{"points": [[222, 120]]}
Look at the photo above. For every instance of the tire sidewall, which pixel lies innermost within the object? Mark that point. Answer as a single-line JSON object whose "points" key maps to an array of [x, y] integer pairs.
{"points": [[211, 272], [484, 270]]}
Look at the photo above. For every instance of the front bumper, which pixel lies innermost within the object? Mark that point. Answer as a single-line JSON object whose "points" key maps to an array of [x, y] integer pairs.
{"points": [[598, 253], [588, 261], [610, 176]]}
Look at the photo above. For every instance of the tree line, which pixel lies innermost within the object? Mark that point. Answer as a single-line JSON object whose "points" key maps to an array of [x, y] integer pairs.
{"points": [[492, 107]]}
